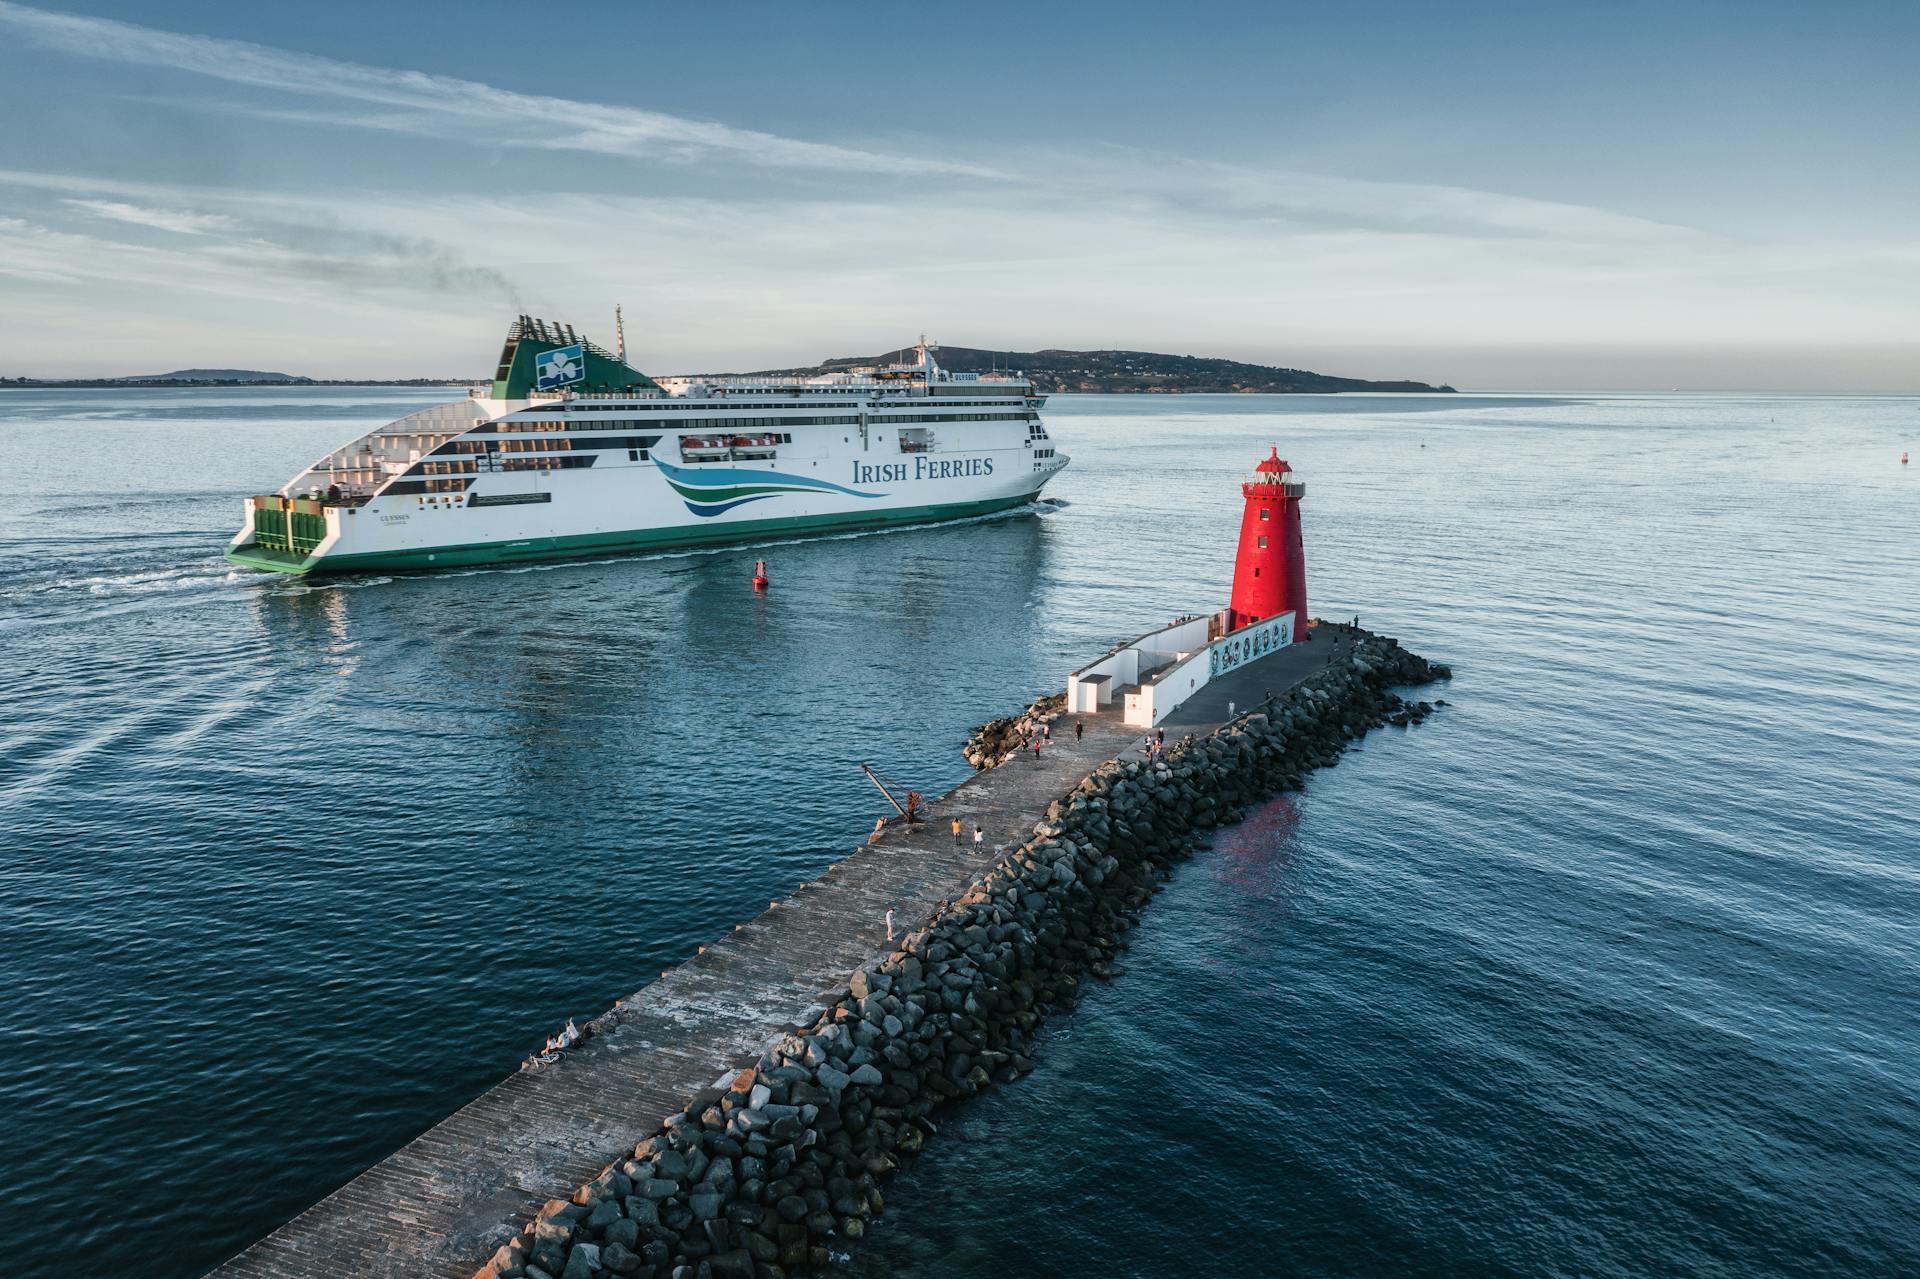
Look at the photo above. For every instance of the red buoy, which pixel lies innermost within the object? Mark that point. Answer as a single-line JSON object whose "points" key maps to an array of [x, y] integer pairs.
{"points": [[759, 575], [1270, 570]]}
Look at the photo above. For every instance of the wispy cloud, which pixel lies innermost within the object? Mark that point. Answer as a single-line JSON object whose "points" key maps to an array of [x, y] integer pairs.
{"points": [[280, 244], [500, 116], [1199, 193], [175, 220]]}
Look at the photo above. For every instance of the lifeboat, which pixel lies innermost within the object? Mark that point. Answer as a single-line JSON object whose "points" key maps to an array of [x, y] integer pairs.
{"points": [[704, 448], [754, 446]]}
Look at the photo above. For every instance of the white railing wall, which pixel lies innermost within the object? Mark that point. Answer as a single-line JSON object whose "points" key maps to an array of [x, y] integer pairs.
{"points": [[1087, 693], [1172, 686]]}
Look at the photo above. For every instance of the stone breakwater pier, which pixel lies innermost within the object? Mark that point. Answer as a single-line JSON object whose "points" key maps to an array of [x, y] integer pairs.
{"points": [[740, 1116]]}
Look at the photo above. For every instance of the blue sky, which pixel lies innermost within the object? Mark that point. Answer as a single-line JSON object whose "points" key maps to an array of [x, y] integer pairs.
{"points": [[1493, 195]]}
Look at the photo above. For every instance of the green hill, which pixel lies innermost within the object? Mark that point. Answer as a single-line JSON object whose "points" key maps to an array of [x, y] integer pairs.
{"points": [[1131, 371], [213, 375]]}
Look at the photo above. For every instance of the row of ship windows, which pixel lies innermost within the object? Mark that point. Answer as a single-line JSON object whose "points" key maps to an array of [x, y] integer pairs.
{"points": [[764, 404], [468, 469], [688, 424], [750, 423], [544, 446], [638, 449], [476, 465]]}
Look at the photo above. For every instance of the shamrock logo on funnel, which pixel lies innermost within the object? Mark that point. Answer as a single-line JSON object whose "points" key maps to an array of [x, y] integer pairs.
{"points": [[561, 367]]}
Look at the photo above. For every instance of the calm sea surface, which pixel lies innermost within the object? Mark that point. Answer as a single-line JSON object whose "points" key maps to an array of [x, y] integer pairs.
{"points": [[1608, 969]]}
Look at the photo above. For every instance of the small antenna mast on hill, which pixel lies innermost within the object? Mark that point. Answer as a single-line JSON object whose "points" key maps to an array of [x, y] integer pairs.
{"points": [[619, 334]]}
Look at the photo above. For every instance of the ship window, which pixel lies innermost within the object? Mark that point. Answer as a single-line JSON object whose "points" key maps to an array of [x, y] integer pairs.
{"points": [[633, 455]]}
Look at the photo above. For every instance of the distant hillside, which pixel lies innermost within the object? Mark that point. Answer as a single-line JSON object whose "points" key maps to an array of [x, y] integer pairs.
{"points": [[213, 375], [1131, 371]]}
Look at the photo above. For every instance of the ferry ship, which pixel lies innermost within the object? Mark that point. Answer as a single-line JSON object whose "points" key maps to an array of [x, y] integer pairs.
{"points": [[571, 451]]}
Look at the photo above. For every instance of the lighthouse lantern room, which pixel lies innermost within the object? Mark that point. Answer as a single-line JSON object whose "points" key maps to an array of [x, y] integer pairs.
{"points": [[1270, 570]]}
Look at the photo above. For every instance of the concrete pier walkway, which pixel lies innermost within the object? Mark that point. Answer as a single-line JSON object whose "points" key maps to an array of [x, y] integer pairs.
{"points": [[441, 1204]]}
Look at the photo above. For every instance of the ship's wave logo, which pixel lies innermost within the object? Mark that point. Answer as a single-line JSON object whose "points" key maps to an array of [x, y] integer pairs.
{"points": [[714, 490]]}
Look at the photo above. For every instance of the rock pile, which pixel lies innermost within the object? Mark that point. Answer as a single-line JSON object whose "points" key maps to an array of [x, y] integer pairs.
{"points": [[998, 739], [765, 1170]]}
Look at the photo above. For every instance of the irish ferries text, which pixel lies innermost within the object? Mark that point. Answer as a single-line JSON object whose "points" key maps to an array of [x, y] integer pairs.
{"points": [[924, 468]]}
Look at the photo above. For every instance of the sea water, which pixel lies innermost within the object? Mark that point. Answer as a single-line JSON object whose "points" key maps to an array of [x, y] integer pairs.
{"points": [[1607, 969]]}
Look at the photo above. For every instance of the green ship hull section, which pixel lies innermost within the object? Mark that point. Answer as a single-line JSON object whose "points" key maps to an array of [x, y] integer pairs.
{"points": [[524, 550]]}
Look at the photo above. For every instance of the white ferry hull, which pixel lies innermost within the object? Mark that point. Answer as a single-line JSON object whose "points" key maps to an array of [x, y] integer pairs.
{"points": [[602, 514], [573, 452]]}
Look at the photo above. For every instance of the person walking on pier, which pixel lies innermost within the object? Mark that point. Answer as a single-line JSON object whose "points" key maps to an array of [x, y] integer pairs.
{"points": [[889, 923], [1046, 731], [1036, 750], [1160, 738], [956, 830], [1079, 730], [979, 838]]}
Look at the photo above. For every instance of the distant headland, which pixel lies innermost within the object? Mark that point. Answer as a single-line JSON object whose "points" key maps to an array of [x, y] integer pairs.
{"points": [[1130, 372], [1052, 371], [218, 377]]}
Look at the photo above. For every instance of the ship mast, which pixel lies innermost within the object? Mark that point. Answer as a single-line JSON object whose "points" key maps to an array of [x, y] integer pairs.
{"points": [[619, 334]]}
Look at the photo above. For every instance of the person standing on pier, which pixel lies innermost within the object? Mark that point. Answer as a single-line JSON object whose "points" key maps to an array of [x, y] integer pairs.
{"points": [[979, 838], [1079, 729], [1046, 731], [956, 830], [1160, 738], [1036, 750]]}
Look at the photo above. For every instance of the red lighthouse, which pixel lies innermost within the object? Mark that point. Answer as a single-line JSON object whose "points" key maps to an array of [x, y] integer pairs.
{"points": [[1270, 570]]}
